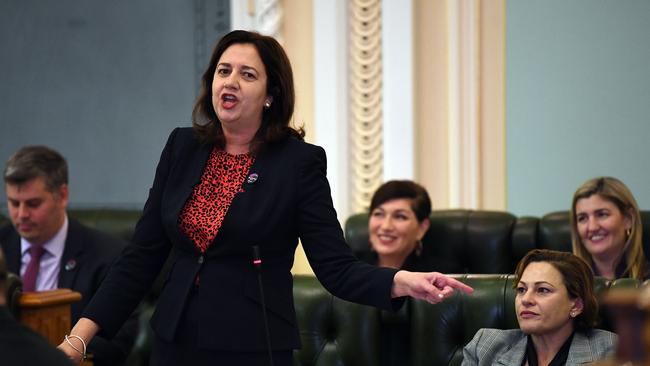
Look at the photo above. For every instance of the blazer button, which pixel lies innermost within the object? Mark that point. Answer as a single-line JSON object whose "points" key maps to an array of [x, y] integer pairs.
{"points": [[201, 259]]}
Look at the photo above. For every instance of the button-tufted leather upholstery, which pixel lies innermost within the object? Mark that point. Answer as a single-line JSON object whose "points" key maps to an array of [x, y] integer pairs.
{"points": [[335, 332], [468, 241]]}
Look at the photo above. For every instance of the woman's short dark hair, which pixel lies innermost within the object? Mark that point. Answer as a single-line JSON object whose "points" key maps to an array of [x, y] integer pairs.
{"points": [[395, 189], [275, 119], [578, 280]]}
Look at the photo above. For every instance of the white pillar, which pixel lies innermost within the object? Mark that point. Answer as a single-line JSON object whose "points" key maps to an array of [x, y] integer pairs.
{"points": [[398, 80], [331, 96]]}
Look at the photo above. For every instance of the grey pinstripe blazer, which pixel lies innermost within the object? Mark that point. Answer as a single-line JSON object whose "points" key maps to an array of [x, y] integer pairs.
{"points": [[508, 347]]}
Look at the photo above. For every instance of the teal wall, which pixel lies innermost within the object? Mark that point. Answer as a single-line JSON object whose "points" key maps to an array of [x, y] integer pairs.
{"points": [[103, 82], [577, 100]]}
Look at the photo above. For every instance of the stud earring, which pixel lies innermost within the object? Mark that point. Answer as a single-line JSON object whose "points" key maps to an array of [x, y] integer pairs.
{"points": [[573, 314], [267, 104], [628, 232]]}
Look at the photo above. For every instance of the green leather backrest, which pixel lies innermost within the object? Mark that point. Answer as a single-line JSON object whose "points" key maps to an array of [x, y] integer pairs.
{"points": [[334, 331], [488, 235], [118, 222], [496, 240], [439, 332]]}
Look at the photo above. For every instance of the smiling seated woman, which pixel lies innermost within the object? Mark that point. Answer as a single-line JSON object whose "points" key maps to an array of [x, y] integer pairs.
{"points": [[399, 218], [606, 229], [556, 310]]}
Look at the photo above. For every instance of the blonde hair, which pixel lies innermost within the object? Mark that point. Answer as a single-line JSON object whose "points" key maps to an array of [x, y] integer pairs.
{"points": [[612, 190]]}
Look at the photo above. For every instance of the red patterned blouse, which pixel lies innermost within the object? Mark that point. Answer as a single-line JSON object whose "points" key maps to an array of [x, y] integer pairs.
{"points": [[203, 213]]}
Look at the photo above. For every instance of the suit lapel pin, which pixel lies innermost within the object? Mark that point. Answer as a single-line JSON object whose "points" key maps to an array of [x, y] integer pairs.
{"points": [[70, 265], [252, 178]]}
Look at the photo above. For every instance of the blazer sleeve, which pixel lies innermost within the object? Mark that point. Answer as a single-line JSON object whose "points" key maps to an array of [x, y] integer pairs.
{"points": [[114, 351], [331, 258], [132, 275], [470, 351]]}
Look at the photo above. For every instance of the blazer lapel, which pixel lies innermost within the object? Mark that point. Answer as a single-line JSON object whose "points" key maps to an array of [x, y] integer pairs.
{"points": [[514, 355], [71, 259], [184, 180], [245, 203], [580, 351]]}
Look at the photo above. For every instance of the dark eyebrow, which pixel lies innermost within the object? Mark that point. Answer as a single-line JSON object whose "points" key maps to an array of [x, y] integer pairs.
{"points": [[249, 68], [245, 67], [537, 283]]}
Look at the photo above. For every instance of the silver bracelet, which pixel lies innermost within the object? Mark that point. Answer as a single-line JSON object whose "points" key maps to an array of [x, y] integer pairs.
{"points": [[67, 340]]}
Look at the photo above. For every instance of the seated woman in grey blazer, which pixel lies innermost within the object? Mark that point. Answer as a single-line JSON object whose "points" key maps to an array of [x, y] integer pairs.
{"points": [[556, 310]]}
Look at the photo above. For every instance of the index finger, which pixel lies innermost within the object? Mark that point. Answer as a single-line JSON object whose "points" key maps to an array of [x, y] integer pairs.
{"points": [[451, 282]]}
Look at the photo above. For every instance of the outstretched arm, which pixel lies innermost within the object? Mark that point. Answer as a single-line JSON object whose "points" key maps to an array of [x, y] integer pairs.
{"points": [[432, 287]]}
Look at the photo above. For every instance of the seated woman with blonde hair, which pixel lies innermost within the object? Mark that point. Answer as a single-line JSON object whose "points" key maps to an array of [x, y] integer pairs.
{"points": [[606, 229], [556, 311], [399, 218]]}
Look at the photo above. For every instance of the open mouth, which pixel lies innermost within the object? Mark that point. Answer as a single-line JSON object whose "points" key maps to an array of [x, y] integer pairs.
{"points": [[228, 100]]}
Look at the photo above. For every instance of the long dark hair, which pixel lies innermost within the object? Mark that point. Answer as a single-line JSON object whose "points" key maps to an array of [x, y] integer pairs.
{"points": [[276, 119]]}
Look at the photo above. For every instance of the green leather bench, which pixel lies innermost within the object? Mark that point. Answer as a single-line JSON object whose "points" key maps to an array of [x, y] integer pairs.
{"points": [[496, 240], [336, 332]]}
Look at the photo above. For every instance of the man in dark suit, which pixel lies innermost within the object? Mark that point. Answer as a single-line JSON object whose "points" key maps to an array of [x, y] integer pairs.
{"points": [[51, 251], [20, 345]]}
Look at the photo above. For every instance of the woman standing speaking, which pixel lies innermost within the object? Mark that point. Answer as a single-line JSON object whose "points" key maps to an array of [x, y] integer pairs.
{"points": [[240, 178]]}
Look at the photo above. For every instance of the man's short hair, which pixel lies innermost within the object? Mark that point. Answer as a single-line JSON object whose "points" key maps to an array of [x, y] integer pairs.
{"points": [[37, 161]]}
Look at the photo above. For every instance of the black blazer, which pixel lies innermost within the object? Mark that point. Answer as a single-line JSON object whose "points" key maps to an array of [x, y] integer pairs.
{"points": [[289, 200], [87, 256], [20, 345]]}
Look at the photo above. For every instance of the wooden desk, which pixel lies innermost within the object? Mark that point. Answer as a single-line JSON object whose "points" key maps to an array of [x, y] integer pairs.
{"points": [[48, 313]]}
